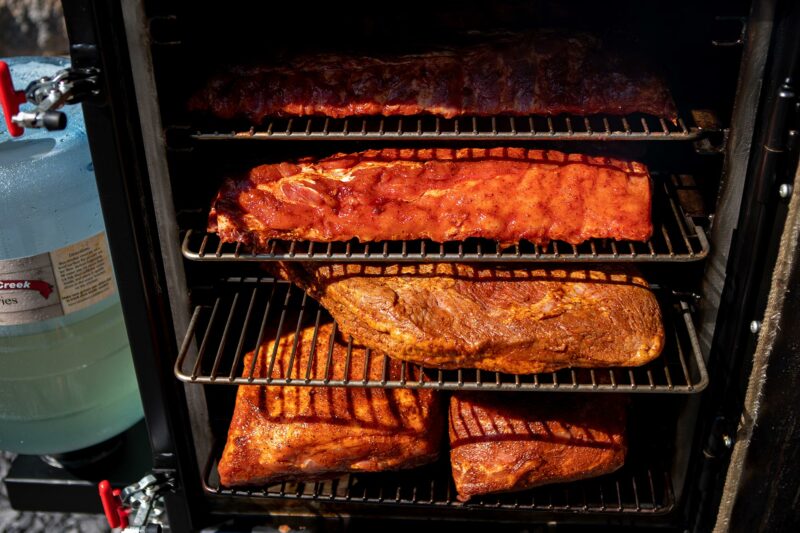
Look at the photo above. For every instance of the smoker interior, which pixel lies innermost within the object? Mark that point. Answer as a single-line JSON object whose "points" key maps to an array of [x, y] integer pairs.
{"points": [[694, 43]]}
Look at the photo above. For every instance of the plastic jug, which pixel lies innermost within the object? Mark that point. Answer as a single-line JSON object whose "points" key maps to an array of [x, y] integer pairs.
{"points": [[66, 374]]}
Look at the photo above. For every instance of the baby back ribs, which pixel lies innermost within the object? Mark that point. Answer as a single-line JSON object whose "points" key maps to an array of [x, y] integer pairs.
{"points": [[511, 442], [442, 194], [519, 321], [543, 73], [295, 433]]}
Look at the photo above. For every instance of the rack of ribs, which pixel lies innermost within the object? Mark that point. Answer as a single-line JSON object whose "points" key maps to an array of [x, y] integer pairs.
{"points": [[442, 194], [547, 72]]}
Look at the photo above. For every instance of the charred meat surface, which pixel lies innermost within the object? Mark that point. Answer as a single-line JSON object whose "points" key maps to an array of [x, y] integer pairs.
{"points": [[518, 321], [548, 72], [512, 442], [295, 433], [442, 194]]}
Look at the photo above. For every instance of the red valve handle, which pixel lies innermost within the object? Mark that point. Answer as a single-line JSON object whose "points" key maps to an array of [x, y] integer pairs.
{"points": [[116, 514], [10, 99]]}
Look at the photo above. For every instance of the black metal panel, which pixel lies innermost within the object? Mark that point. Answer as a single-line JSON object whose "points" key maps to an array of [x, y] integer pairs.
{"points": [[34, 485], [767, 498], [748, 279], [97, 40]]}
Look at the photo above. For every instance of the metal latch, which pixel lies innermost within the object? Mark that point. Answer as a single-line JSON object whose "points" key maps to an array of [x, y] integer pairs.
{"points": [[47, 94], [138, 508]]}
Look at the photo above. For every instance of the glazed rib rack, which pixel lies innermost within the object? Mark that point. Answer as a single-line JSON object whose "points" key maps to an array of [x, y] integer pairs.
{"points": [[675, 238]]}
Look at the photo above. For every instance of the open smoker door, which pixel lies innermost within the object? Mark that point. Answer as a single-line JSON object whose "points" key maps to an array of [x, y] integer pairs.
{"points": [[761, 484], [750, 473]]}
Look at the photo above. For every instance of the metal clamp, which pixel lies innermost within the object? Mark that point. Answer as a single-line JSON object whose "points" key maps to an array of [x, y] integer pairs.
{"points": [[68, 86], [47, 94], [139, 507]]}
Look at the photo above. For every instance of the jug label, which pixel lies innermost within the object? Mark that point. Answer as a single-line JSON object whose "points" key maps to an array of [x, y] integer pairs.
{"points": [[56, 283]]}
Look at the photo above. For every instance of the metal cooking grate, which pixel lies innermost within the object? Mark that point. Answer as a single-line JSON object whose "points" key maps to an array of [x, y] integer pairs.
{"points": [[250, 311], [631, 490], [675, 239], [635, 127]]}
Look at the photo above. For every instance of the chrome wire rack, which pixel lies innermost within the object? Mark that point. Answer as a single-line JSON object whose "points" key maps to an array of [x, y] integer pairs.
{"points": [[676, 238], [248, 312], [635, 127], [630, 491]]}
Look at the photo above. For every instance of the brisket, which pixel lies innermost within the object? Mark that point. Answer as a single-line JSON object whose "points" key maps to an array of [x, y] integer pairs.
{"points": [[510, 442], [293, 433], [519, 321]]}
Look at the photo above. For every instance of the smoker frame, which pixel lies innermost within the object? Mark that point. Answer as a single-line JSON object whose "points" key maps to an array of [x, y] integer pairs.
{"points": [[123, 135]]}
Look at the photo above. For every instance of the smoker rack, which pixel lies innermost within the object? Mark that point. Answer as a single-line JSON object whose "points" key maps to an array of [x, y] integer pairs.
{"points": [[634, 127], [632, 490], [643, 486], [676, 238], [244, 313]]}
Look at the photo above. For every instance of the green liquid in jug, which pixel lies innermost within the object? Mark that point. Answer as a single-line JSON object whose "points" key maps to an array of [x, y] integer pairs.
{"points": [[67, 388]]}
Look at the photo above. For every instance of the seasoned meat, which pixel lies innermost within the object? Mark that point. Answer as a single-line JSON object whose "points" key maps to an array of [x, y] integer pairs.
{"points": [[510, 442], [543, 73], [521, 320], [442, 194], [292, 433]]}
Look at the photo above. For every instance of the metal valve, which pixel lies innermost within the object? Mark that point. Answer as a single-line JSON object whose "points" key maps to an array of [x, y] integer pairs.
{"points": [[47, 94]]}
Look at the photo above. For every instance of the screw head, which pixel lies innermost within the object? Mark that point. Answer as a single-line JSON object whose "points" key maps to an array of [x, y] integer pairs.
{"points": [[755, 326], [785, 190]]}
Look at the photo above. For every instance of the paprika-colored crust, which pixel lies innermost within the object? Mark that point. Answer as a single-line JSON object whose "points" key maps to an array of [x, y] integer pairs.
{"points": [[293, 433], [511, 442], [516, 320]]}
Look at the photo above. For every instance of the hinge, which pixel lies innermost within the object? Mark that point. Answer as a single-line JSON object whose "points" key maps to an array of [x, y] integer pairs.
{"points": [[777, 142], [786, 99]]}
